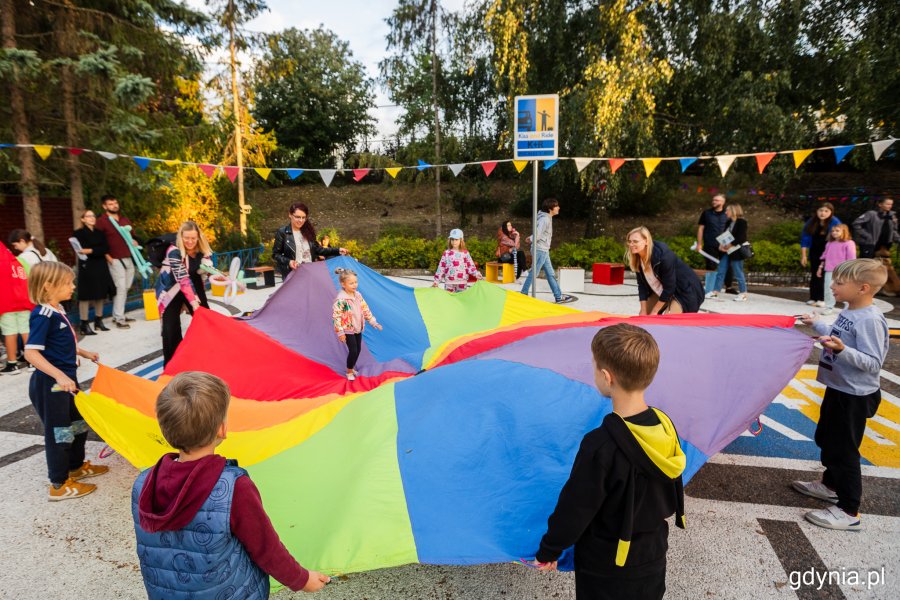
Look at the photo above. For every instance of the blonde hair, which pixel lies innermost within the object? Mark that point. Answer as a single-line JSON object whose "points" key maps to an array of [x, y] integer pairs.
{"points": [[462, 244], [635, 260], [202, 242], [191, 408], [45, 277], [845, 232], [736, 210], [629, 353], [344, 274], [862, 270]]}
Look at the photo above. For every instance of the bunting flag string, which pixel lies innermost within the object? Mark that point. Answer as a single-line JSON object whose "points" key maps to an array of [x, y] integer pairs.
{"points": [[724, 161]]}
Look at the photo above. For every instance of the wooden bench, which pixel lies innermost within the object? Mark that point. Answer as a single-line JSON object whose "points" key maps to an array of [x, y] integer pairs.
{"points": [[492, 272], [268, 274]]}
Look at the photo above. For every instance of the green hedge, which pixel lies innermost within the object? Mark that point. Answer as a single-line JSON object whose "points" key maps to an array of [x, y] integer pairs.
{"points": [[584, 253]]}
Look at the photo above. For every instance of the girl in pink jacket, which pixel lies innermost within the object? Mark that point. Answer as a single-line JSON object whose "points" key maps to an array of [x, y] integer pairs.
{"points": [[350, 313], [840, 248]]}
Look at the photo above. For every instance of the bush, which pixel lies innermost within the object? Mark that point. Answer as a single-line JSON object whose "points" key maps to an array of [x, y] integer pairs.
{"points": [[784, 234], [391, 252], [584, 253], [681, 246], [775, 258]]}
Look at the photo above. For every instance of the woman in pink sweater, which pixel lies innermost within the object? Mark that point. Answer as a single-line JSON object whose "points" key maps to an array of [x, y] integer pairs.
{"points": [[840, 248]]}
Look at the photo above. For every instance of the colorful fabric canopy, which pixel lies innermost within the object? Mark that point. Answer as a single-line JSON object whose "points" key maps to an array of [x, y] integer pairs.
{"points": [[453, 445]]}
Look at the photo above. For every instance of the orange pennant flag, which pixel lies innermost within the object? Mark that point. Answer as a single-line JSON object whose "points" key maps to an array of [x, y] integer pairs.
{"points": [[650, 164], [43, 151], [393, 171], [520, 165], [763, 159], [800, 156], [615, 163]]}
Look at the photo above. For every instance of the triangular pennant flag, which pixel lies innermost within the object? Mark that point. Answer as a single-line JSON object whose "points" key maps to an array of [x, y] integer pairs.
{"points": [[358, 174], [880, 146], [842, 151], [763, 159], [141, 161], [725, 162], [172, 162], [422, 165], [800, 156], [548, 164], [457, 168], [489, 167], [393, 171], [520, 165], [209, 170], [43, 151], [107, 155], [231, 173], [650, 164], [327, 175], [615, 163], [263, 172], [75, 151], [581, 163], [294, 173], [686, 162]]}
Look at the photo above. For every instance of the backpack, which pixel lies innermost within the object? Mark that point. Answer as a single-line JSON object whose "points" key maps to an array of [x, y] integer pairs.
{"points": [[157, 247]]}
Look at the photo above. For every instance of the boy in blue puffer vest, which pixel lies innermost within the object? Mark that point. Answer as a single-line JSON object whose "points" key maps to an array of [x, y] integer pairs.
{"points": [[201, 528]]}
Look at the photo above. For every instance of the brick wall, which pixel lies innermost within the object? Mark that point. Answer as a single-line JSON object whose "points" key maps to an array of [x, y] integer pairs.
{"points": [[56, 215]]}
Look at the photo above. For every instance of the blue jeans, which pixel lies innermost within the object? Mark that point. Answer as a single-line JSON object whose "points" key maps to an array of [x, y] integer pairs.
{"points": [[737, 268], [542, 261]]}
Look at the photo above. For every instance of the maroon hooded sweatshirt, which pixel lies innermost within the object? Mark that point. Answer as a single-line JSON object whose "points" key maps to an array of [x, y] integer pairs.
{"points": [[174, 492]]}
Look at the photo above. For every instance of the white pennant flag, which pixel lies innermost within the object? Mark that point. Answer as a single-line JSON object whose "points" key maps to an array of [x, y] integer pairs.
{"points": [[581, 163], [327, 175], [725, 162], [107, 155], [457, 168], [879, 147]]}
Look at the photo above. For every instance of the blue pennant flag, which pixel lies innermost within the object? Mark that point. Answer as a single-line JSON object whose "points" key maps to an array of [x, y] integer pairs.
{"points": [[6, 145], [422, 165], [686, 162], [841, 151], [294, 173], [141, 162], [549, 163]]}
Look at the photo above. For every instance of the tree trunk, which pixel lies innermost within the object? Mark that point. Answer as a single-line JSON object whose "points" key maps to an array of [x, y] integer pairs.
{"points": [[66, 41], [601, 196], [439, 224], [31, 201], [238, 135]]}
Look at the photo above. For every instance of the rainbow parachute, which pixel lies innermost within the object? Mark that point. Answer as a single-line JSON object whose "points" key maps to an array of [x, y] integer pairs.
{"points": [[452, 446]]}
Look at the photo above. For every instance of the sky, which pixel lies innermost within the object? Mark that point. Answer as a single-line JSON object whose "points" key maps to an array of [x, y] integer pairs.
{"points": [[361, 23]]}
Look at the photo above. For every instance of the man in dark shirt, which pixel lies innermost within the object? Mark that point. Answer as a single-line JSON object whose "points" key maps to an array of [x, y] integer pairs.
{"points": [[713, 222], [121, 266], [876, 229]]}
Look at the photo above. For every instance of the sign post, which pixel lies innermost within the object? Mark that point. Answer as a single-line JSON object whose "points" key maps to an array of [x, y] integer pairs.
{"points": [[536, 137]]}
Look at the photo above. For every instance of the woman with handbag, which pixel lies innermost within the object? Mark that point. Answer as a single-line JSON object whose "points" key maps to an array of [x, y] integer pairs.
{"points": [[508, 247], [734, 253]]}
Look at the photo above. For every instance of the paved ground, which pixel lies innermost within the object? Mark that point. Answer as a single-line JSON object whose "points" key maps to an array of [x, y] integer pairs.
{"points": [[746, 536]]}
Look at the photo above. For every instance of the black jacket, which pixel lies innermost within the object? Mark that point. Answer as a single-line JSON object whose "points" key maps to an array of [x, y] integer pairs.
{"points": [[739, 231], [678, 280], [284, 250]]}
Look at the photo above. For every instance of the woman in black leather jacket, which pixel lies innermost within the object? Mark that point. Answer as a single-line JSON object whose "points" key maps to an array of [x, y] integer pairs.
{"points": [[296, 243]]}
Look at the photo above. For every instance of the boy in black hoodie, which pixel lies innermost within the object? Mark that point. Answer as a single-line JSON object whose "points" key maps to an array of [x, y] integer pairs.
{"points": [[625, 483]]}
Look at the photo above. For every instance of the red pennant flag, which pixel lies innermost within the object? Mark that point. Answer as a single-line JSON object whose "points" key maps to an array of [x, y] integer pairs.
{"points": [[231, 173], [764, 159], [358, 174], [75, 151], [488, 167], [615, 163], [209, 170]]}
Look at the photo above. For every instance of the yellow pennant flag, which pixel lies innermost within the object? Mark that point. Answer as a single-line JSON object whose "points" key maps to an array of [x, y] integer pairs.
{"points": [[172, 162], [650, 164], [43, 151], [800, 156], [263, 172], [392, 171], [520, 164]]}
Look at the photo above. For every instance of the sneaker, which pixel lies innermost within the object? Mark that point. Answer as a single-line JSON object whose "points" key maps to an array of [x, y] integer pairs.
{"points": [[351, 377], [827, 311], [834, 518], [820, 304], [87, 470], [27, 366], [816, 489], [11, 368], [710, 295], [740, 298], [565, 299], [811, 302], [70, 489], [129, 320], [122, 325]]}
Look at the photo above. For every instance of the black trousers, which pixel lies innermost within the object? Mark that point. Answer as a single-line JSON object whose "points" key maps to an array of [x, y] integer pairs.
{"points": [[171, 323], [354, 345], [839, 433], [816, 281], [65, 432], [520, 262], [598, 587]]}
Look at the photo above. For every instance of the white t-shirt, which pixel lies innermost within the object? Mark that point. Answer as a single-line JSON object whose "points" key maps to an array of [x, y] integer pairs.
{"points": [[654, 283], [303, 255], [33, 257]]}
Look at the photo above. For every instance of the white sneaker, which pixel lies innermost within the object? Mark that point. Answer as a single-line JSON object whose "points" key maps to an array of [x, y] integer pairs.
{"points": [[740, 298], [820, 304], [834, 518], [710, 295], [816, 489], [351, 377], [811, 302], [827, 311]]}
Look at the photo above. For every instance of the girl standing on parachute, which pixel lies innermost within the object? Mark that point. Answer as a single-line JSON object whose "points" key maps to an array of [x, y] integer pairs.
{"points": [[350, 313], [456, 265]]}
